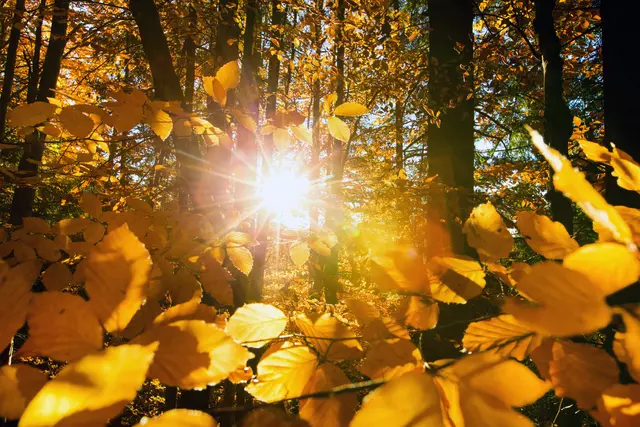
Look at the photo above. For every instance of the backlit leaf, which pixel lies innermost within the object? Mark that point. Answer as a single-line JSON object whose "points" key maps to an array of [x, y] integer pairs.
{"points": [[299, 252], [34, 224], [391, 358], [31, 114], [161, 123], [365, 312], [281, 139], [503, 335], [179, 418], [57, 277], [338, 129], [255, 324], [75, 122], [400, 268], [91, 205], [303, 134], [241, 259], [117, 277], [215, 281], [91, 390], [487, 233], [333, 411], [595, 152], [455, 280], [327, 334], [15, 295], [350, 109], [18, 384], [625, 169], [414, 311], [546, 237], [627, 344], [619, 406], [229, 75]]}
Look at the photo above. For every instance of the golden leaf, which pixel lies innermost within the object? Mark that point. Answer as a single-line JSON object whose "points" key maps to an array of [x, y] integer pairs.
{"points": [[332, 411], [245, 120], [303, 134], [400, 268], [416, 312], [327, 334], [143, 319], [18, 384], [57, 277], [161, 123], [61, 326], [625, 169], [15, 295], [283, 373], [338, 129], [595, 152], [241, 259], [139, 205], [383, 328], [33, 224], [299, 251], [487, 233], [229, 75], [281, 139], [272, 417], [193, 354], [350, 109], [619, 406], [581, 372], [188, 311], [631, 216], [117, 277], [31, 114], [71, 226], [410, 399], [255, 324], [91, 390], [47, 249], [391, 358], [93, 233], [627, 344], [75, 122], [365, 312], [566, 302], [179, 418], [215, 281], [91, 205], [503, 335], [455, 280], [546, 237]]}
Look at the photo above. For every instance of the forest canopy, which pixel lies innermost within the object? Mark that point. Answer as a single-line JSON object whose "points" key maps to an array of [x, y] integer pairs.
{"points": [[319, 213]]}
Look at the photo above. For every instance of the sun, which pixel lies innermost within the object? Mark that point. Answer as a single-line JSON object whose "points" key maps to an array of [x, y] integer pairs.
{"points": [[285, 193]]}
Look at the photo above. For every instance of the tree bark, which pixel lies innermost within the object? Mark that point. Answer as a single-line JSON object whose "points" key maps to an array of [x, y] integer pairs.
{"points": [[558, 119], [34, 73], [24, 196], [451, 143], [10, 64], [621, 92]]}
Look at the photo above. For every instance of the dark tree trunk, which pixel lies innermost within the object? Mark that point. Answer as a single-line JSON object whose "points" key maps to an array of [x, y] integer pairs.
{"points": [[24, 196], [34, 73], [621, 91], [10, 64], [451, 144], [558, 125], [190, 61]]}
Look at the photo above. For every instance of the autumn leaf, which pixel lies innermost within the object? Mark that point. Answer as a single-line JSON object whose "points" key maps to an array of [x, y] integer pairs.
{"points": [[281, 139], [229, 75], [391, 358], [546, 237], [34, 224], [91, 205], [75, 122], [193, 354], [487, 233], [619, 406], [117, 276], [303, 134], [400, 268], [455, 279], [338, 129], [241, 259], [143, 319], [625, 169], [329, 336], [61, 326], [18, 384], [255, 324], [160, 122], [595, 152], [215, 281], [283, 373], [350, 109], [57, 277], [91, 390], [272, 417], [31, 114], [365, 312], [414, 311], [626, 345], [15, 295], [503, 335], [299, 251], [332, 411], [411, 399], [179, 418]]}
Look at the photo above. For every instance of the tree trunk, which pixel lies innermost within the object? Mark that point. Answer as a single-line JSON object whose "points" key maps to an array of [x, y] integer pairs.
{"points": [[451, 144], [621, 93], [24, 196], [558, 119], [34, 73], [10, 64]]}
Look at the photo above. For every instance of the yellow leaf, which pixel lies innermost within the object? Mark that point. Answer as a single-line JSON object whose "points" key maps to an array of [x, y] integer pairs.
{"points": [[272, 417], [566, 302], [51, 130], [546, 237], [182, 127], [91, 390], [139, 205], [455, 280], [303, 134], [15, 295], [93, 233], [581, 372], [71, 226], [631, 216], [609, 266], [256, 324], [33, 224], [57, 277], [595, 152], [215, 281], [391, 358], [627, 344], [299, 252], [117, 277], [193, 354], [91, 205], [338, 129], [31, 114], [179, 418], [229, 75], [365, 312], [47, 249], [281, 139], [625, 169], [400, 268], [245, 120], [283, 373], [503, 335], [161, 123], [409, 400], [416, 312], [619, 406], [241, 376], [241, 259], [61, 326], [238, 238], [575, 186], [334, 411], [487, 233], [183, 287], [350, 109], [383, 328], [143, 319], [18, 384], [76, 123], [327, 335]]}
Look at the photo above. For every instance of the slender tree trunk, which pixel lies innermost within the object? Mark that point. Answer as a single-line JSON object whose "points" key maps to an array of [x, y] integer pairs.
{"points": [[10, 64], [451, 144], [557, 117], [34, 73], [24, 196], [292, 57], [621, 93], [190, 61]]}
